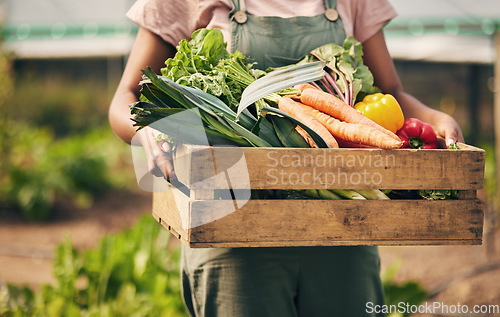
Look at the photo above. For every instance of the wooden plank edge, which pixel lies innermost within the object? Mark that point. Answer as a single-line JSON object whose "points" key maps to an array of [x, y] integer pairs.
{"points": [[255, 244], [467, 147], [176, 234], [187, 148]]}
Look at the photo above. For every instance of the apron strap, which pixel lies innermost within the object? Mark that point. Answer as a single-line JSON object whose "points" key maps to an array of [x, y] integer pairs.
{"points": [[239, 12], [242, 6], [238, 5], [331, 10], [330, 4]]}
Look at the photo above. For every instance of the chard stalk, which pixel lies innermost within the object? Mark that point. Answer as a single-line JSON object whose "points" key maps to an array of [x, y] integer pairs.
{"points": [[315, 84], [327, 86], [348, 85], [332, 82], [344, 82]]}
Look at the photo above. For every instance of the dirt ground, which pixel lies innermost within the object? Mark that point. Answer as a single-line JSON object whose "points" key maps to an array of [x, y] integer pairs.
{"points": [[460, 274]]}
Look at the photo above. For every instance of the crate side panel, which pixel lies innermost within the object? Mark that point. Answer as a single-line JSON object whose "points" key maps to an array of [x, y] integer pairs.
{"points": [[305, 222]]}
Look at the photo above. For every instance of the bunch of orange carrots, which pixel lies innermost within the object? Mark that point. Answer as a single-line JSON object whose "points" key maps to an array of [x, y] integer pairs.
{"points": [[339, 124]]}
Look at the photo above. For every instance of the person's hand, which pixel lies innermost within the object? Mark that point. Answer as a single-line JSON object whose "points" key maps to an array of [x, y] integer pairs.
{"points": [[447, 128], [158, 153]]}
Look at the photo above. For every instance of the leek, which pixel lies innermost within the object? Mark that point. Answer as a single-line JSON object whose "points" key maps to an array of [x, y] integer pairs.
{"points": [[372, 194]]}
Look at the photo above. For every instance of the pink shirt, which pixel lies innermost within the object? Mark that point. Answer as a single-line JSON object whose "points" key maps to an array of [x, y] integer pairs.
{"points": [[175, 20]]}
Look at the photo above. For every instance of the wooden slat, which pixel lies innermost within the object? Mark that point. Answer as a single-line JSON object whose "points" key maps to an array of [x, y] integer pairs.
{"points": [[309, 243], [293, 168], [467, 194], [167, 208], [346, 222], [202, 194]]}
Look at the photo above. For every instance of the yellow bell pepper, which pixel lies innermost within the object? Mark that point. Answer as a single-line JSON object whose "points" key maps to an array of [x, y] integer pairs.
{"points": [[383, 109]]}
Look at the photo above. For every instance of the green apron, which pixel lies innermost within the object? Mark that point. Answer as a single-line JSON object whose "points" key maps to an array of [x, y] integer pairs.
{"points": [[273, 41], [294, 281]]}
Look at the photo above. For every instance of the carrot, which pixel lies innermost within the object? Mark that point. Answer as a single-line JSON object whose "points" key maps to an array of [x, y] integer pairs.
{"points": [[335, 107], [349, 144], [301, 87], [354, 132], [295, 110], [303, 133]]}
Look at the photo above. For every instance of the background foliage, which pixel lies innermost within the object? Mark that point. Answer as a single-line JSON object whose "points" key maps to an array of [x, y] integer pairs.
{"points": [[56, 143], [134, 273]]}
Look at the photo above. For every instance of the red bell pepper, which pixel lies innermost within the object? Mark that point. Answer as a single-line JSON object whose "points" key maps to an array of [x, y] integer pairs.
{"points": [[416, 134]]}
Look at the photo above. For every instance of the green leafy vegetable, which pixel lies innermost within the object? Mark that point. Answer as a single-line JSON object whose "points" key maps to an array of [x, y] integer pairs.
{"points": [[286, 132], [438, 194], [347, 76], [195, 65], [441, 193], [217, 118], [316, 138]]}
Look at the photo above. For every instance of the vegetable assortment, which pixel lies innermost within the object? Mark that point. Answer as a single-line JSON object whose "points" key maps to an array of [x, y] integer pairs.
{"points": [[327, 100]]}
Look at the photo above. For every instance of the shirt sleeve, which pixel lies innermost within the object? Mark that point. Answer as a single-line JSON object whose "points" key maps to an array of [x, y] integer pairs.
{"points": [[172, 20], [363, 18]]}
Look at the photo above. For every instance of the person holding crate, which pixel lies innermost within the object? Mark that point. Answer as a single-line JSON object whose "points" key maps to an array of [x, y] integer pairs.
{"points": [[295, 281]]}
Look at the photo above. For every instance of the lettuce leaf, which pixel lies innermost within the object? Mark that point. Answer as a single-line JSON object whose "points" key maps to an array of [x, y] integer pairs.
{"points": [[195, 65]]}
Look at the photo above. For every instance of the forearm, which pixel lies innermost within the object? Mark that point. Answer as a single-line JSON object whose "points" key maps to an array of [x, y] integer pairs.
{"points": [[120, 118], [148, 50]]}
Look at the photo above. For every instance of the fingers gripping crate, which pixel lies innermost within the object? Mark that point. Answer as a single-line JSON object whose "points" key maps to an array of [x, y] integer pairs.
{"points": [[209, 205]]}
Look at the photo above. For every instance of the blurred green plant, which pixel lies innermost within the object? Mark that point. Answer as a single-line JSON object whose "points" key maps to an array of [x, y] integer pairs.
{"points": [[490, 177], [134, 273], [6, 90], [55, 142], [401, 295], [39, 168], [65, 105]]}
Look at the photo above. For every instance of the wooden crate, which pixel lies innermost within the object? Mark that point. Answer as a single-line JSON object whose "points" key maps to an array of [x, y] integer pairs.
{"points": [[191, 211]]}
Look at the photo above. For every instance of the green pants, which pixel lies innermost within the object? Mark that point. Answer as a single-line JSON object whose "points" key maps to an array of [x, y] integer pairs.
{"points": [[299, 281]]}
